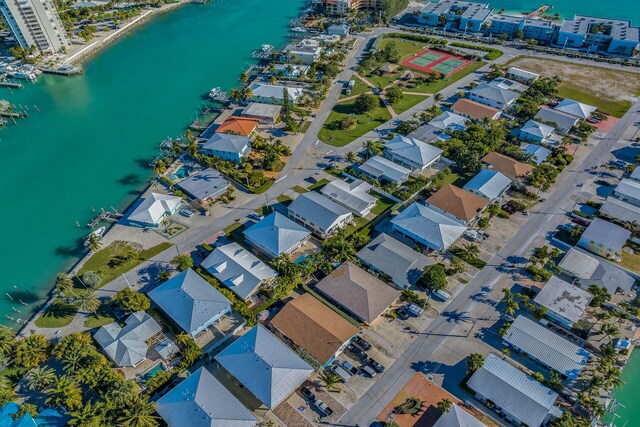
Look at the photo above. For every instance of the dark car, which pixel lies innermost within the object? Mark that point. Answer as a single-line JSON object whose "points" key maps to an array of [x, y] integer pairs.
{"points": [[362, 343], [508, 208], [308, 394], [357, 351], [582, 221], [376, 365], [311, 180], [402, 313]]}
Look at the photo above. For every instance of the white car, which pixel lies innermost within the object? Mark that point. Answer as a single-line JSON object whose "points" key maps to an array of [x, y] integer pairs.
{"points": [[444, 296], [256, 216], [187, 212]]}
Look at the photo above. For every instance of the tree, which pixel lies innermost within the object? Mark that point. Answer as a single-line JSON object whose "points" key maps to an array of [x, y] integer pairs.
{"points": [[338, 248], [64, 284], [329, 380], [365, 102], [394, 95], [351, 157], [88, 415], [373, 148], [87, 301], [131, 301], [247, 93], [600, 296], [471, 250], [94, 242], [91, 279], [444, 406], [474, 362], [182, 262], [438, 97], [433, 277], [66, 393], [40, 378], [609, 331], [32, 351], [7, 340], [244, 78], [139, 413]]}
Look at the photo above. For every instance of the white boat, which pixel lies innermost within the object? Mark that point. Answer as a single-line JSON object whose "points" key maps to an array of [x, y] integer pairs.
{"points": [[217, 94], [99, 232], [298, 30]]}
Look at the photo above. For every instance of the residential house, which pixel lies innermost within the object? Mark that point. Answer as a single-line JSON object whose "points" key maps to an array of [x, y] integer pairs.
{"points": [[10, 416], [538, 154], [546, 347], [493, 96], [310, 324], [507, 166], [564, 302], [588, 271], [204, 186], [320, 214], [504, 83], [541, 30], [613, 36], [276, 235], [619, 210], [412, 153], [379, 168], [458, 203], [388, 256], [427, 133], [489, 184], [153, 209], [474, 110], [449, 121], [604, 238], [575, 108], [562, 121], [522, 76], [351, 195], [521, 399], [238, 269], [635, 175], [274, 94], [458, 417], [264, 365], [239, 125], [306, 51], [227, 146], [425, 225], [357, 292], [628, 191], [200, 400], [291, 71], [264, 113], [127, 346], [338, 29], [455, 15], [535, 131]]}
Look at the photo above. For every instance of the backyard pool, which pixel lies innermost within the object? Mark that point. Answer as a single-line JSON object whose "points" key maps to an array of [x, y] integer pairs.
{"points": [[152, 372], [181, 173]]}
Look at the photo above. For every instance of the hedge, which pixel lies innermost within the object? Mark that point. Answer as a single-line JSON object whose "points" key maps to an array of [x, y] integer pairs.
{"points": [[493, 53], [415, 37]]}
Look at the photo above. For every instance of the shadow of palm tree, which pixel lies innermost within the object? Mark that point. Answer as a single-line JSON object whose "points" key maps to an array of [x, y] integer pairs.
{"points": [[457, 316]]}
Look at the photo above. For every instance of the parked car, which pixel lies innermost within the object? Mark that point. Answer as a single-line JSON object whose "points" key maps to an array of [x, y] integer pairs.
{"points": [[369, 371], [357, 351], [187, 212], [362, 343], [414, 309], [339, 371], [311, 179], [581, 221], [308, 394], [349, 367], [376, 365], [620, 163], [402, 313], [442, 295], [323, 408], [256, 216], [508, 208]]}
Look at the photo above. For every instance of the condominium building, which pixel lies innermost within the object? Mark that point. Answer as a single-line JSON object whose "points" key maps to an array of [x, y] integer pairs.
{"points": [[343, 7], [615, 36], [455, 15], [35, 23], [541, 30]]}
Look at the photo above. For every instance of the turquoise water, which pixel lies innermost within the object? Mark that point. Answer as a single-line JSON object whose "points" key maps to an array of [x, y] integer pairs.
{"points": [[89, 145], [627, 395], [622, 9]]}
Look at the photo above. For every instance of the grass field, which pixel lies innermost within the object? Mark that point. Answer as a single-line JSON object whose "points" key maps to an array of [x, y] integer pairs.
{"points": [[102, 317], [57, 315], [615, 108], [330, 134], [407, 102], [383, 80], [438, 85], [359, 87], [405, 47], [473, 261]]}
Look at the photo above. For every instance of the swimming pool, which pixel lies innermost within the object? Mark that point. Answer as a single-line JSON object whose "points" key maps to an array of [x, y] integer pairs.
{"points": [[152, 372], [301, 259], [181, 173]]}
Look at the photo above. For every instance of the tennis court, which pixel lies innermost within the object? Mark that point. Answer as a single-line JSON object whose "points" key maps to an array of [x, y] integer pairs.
{"points": [[429, 61], [448, 65], [426, 59]]}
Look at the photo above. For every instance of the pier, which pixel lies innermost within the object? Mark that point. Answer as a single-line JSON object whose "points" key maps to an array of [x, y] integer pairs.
{"points": [[539, 12], [10, 84], [105, 215], [66, 70]]}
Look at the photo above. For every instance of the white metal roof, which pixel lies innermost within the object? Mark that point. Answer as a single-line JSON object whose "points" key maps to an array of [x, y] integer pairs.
{"points": [[205, 184], [538, 153], [607, 234], [154, 207], [494, 93], [126, 345], [629, 189], [575, 108], [318, 210], [620, 210], [524, 74], [275, 91], [538, 129], [430, 225], [564, 122], [491, 184], [276, 234], [226, 142], [448, 119], [458, 417], [564, 299], [591, 271], [353, 196], [380, 167], [412, 149]]}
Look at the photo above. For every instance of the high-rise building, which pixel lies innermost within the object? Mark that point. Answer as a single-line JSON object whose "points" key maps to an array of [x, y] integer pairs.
{"points": [[35, 23]]}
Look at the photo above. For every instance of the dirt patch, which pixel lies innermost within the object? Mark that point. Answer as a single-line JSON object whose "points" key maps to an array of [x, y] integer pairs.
{"points": [[602, 82]]}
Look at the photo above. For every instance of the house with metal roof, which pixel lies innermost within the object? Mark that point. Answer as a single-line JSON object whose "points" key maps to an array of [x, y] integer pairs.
{"points": [[204, 186], [604, 238], [292, 71], [535, 131], [587, 270], [320, 214], [425, 225], [522, 76], [338, 29], [388, 256], [575, 108], [520, 398], [449, 121], [458, 417], [506, 165], [565, 303], [359, 293], [460, 204], [227, 146], [200, 400], [474, 110], [274, 94], [276, 235], [489, 184], [190, 301], [264, 365], [493, 96], [153, 209], [265, 113], [546, 347], [628, 191], [537, 153], [635, 175], [238, 269], [312, 325], [561, 121], [305, 51], [616, 209], [412, 153], [504, 83], [351, 195], [46, 417], [127, 346], [379, 168]]}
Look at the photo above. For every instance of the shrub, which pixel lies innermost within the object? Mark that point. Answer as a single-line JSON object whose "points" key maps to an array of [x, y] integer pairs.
{"points": [[91, 279]]}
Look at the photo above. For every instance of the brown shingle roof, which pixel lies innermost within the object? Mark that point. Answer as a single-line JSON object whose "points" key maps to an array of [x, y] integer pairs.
{"points": [[238, 125], [473, 109], [362, 294], [507, 165], [458, 202], [312, 325]]}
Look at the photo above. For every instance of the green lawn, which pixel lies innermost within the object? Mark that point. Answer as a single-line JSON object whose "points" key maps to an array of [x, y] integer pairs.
{"points": [[330, 134], [359, 87], [99, 262], [473, 261], [438, 85], [319, 185], [407, 102], [57, 315], [382, 80], [229, 229], [631, 261], [102, 317], [300, 190], [381, 205], [405, 47], [607, 106], [459, 180], [285, 200]]}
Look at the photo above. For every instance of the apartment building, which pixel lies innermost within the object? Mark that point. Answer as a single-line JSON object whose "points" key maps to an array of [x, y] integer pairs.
{"points": [[35, 23]]}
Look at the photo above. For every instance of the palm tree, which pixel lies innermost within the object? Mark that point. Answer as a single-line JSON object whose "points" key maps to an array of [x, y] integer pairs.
{"points": [[608, 353], [620, 315], [444, 406], [244, 78], [600, 316], [329, 380], [88, 415], [64, 284], [351, 157], [65, 393], [94, 242], [510, 307], [247, 93], [139, 413], [471, 250], [438, 97], [235, 95], [609, 331], [7, 340], [373, 148], [73, 362], [87, 301], [40, 378], [474, 362], [594, 385]]}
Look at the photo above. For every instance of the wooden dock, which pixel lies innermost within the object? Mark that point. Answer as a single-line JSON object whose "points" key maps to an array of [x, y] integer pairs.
{"points": [[105, 215], [539, 12]]}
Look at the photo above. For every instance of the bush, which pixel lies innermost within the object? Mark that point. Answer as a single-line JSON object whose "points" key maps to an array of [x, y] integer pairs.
{"points": [[365, 102], [493, 53], [394, 95], [91, 279], [434, 277], [131, 301], [503, 214]]}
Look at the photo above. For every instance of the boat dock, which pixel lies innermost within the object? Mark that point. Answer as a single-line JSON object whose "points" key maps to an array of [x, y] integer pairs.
{"points": [[10, 84], [105, 215], [65, 70], [539, 12]]}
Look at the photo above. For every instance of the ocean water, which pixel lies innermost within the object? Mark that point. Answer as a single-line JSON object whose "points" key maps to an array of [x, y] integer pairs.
{"points": [[622, 9], [89, 144]]}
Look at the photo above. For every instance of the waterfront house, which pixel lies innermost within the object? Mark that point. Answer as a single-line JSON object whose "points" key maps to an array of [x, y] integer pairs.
{"points": [[449, 121], [388, 256], [541, 30], [306, 51], [604, 238], [153, 209], [381, 169], [200, 400], [425, 225], [357, 292], [616, 209], [522, 76], [493, 96], [575, 108], [318, 213], [628, 190], [458, 203], [265, 113], [458, 417], [264, 365], [565, 303], [412, 153], [587, 270], [239, 125], [274, 94], [127, 346], [227, 146], [506, 165], [204, 186], [474, 110], [546, 347], [276, 235], [351, 195], [489, 184], [455, 15], [613, 36], [561, 121], [535, 131], [521, 399], [537, 153], [190, 301], [238, 269], [338, 29], [312, 325], [291, 71]]}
